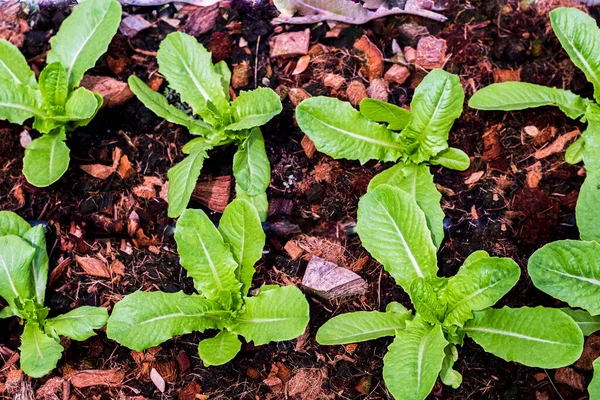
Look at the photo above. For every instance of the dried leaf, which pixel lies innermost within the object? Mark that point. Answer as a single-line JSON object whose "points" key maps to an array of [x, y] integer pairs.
{"points": [[474, 177], [302, 64], [113, 92], [98, 170], [158, 380], [373, 66], [93, 266]]}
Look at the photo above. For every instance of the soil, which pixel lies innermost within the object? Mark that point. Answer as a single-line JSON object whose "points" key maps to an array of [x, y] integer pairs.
{"points": [[499, 212]]}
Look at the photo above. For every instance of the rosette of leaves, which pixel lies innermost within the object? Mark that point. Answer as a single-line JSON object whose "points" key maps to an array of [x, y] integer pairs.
{"points": [[204, 86], [393, 228], [385, 132], [23, 277], [221, 263], [55, 102], [579, 35]]}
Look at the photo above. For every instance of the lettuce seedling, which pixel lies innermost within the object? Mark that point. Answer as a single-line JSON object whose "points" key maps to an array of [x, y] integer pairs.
{"points": [[204, 86], [55, 102], [579, 35], [393, 228], [221, 263], [340, 131], [23, 277]]}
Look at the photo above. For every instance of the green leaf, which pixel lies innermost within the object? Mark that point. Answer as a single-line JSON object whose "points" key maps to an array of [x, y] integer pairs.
{"points": [[393, 229], [448, 375], [579, 36], [586, 322], [81, 105], [536, 337], [509, 96], [159, 105], [19, 102], [223, 70], [376, 110], [54, 86], [340, 131], [437, 102], [276, 314], [12, 224], [478, 285], [74, 123], [251, 166], [242, 230], [16, 281], [254, 109], [219, 350], [452, 158], [14, 67], [416, 180], [361, 326], [84, 36], [594, 387], [574, 153], [591, 136], [36, 238], [426, 302], [182, 179], [6, 312], [259, 201], [475, 256], [46, 159], [414, 360], [588, 218], [39, 352], [79, 324], [569, 270], [188, 67], [142, 320], [204, 255]]}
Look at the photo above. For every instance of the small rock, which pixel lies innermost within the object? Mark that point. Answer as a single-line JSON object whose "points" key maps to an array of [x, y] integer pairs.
{"points": [[397, 74], [293, 250], [333, 81], [25, 138], [290, 44], [356, 91], [158, 380], [330, 281], [568, 376], [132, 24], [373, 67], [431, 53], [297, 95], [378, 89]]}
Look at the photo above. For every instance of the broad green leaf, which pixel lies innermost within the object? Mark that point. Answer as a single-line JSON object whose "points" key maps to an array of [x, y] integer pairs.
{"points": [[79, 324], [594, 387], [588, 218], [380, 111], [14, 67], [39, 352], [12, 224], [219, 350], [536, 337], [260, 201], [6, 312], [393, 229], [16, 281], [361, 326], [82, 104], [19, 102], [36, 238], [204, 255], [591, 136], [478, 285], [74, 123], [223, 70], [452, 158], [395, 307], [586, 322], [142, 320], [340, 131], [254, 109], [448, 375], [475, 256], [509, 96], [188, 67], [54, 86], [580, 37], [416, 180], [276, 314], [46, 159], [569, 270], [84, 36], [574, 153], [414, 360], [437, 102], [159, 105], [426, 302], [242, 230], [251, 166], [182, 180]]}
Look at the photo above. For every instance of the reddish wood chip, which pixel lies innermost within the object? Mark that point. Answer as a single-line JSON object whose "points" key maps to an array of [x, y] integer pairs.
{"points": [[94, 377]]}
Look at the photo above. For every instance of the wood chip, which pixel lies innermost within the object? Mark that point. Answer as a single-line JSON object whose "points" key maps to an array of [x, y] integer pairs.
{"points": [[213, 192], [296, 95], [378, 89], [373, 65], [307, 383], [534, 175], [158, 380], [93, 266], [506, 75], [397, 74], [308, 146], [293, 250], [492, 147], [431, 53], [356, 91], [202, 20], [125, 168], [330, 281], [290, 44], [568, 376], [334, 81], [132, 24], [93, 377], [558, 145], [241, 74], [303, 63], [98, 170]]}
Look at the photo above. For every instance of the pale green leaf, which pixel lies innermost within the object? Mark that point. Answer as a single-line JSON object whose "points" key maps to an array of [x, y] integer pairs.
{"points": [[223, 70], [452, 158], [6, 312], [254, 109], [594, 387], [16, 281], [14, 67], [393, 229], [251, 166], [12, 224], [142, 320], [588, 217], [569, 270], [586, 322], [276, 314], [574, 153], [84, 36], [77, 122], [219, 350], [426, 302], [340, 131], [437, 102], [475, 256], [36, 238], [591, 136], [380, 111], [39, 352], [182, 180], [260, 201], [448, 375], [19, 102], [46, 159], [54, 87], [204, 255], [509, 96], [536, 337], [242, 230], [79, 324], [81, 105], [414, 360]]}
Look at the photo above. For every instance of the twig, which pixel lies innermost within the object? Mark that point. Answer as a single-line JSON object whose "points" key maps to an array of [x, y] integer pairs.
{"points": [[328, 16]]}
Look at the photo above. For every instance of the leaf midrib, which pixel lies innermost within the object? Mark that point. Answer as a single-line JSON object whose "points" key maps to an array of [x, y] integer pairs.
{"points": [[515, 335]]}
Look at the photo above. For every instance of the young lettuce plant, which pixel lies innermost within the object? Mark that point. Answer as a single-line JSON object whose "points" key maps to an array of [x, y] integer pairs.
{"points": [[23, 277], [340, 131], [579, 35], [394, 230], [221, 263], [204, 86], [55, 102]]}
